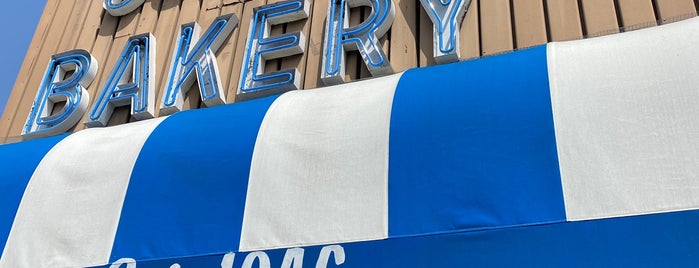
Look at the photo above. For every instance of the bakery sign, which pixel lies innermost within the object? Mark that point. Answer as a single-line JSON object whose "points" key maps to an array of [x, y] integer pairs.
{"points": [[131, 79]]}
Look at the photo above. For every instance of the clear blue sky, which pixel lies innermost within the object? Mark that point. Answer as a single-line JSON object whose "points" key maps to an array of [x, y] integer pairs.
{"points": [[19, 20]]}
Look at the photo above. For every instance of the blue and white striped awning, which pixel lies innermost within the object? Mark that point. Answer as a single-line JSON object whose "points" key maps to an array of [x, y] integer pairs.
{"points": [[576, 153]]}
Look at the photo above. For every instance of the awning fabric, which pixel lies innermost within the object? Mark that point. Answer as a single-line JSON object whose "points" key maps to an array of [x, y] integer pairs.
{"points": [[581, 153]]}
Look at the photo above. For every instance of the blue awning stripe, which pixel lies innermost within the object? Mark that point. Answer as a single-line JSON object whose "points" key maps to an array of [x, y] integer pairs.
{"points": [[188, 187], [473, 146]]}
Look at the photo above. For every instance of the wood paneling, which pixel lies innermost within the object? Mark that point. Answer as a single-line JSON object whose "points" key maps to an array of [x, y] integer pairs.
{"points": [[563, 20], [529, 21], [672, 10], [76, 20], [91, 26], [228, 51], [470, 33], [404, 49], [496, 27], [489, 27], [425, 46], [599, 17], [315, 45], [636, 14]]}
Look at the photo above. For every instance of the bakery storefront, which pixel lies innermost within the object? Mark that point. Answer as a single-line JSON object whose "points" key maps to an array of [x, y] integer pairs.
{"points": [[362, 133]]}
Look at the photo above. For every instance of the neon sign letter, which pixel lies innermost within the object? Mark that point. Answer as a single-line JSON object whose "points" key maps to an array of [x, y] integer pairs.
{"points": [[445, 16], [118, 8], [364, 37], [262, 47], [66, 77], [131, 81], [192, 53]]}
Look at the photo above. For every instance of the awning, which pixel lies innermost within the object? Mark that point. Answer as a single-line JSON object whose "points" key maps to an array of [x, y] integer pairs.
{"points": [[579, 153]]}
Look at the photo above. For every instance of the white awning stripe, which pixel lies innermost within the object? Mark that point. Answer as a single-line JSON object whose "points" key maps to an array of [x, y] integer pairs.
{"points": [[69, 213], [627, 121], [320, 167]]}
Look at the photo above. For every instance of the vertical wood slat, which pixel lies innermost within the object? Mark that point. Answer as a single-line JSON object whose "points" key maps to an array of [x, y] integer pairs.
{"points": [[403, 45], [564, 20], [496, 27], [149, 17], [128, 23], [425, 47], [90, 27], [164, 34], [315, 45], [671, 10], [30, 61], [228, 50], [75, 24], [48, 48], [470, 33], [599, 17], [636, 13], [530, 23]]}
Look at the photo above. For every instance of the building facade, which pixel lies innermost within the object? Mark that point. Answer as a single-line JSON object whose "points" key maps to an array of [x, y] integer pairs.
{"points": [[489, 27]]}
